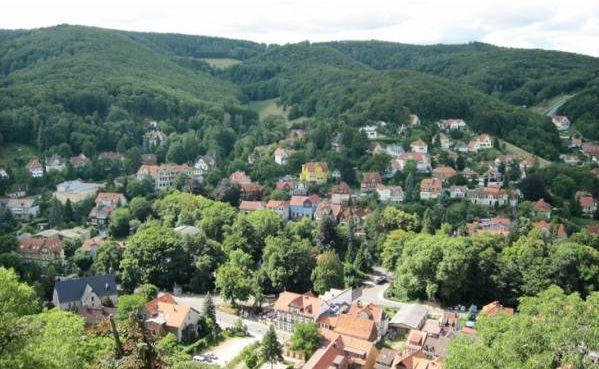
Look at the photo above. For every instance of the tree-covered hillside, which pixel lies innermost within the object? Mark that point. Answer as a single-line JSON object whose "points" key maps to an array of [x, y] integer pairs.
{"points": [[517, 76], [78, 85], [583, 110], [316, 80]]}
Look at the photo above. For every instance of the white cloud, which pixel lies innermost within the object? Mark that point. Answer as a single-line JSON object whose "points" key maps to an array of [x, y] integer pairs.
{"points": [[571, 25]]}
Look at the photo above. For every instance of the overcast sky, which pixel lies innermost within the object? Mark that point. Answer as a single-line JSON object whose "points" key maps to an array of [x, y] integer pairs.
{"points": [[568, 25]]}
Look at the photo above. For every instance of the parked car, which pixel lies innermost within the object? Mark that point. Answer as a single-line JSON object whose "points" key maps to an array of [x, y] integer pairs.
{"points": [[380, 279]]}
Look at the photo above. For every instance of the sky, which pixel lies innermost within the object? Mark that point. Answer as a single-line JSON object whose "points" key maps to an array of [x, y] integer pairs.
{"points": [[567, 25]]}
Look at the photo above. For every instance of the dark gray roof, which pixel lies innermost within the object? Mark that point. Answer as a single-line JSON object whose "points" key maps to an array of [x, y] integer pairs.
{"points": [[71, 289]]}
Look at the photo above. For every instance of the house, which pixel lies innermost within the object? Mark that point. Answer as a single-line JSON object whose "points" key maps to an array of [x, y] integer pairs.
{"points": [[251, 191], [292, 308], [23, 208], [342, 352], [163, 176], [302, 206], [371, 312], [451, 124], [356, 215], [148, 159], [92, 245], [561, 122], [296, 134], [496, 226], [165, 314], [280, 206], [543, 226], [100, 215], [591, 150], [461, 147], [419, 146], [91, 292], [250, 206], [495, 307], [356, 327], [444, 173], [423, 162], [458, 192], [575, 143], [240, 177], [444, 141], [327, 208], [112, 199], [292, 187], [484, 142], [394, 150], [430, 188], [410, 316], [369, 181], [154, 138], [41, 250], [281, 156], [150, 123], [469, 173], [76, 190], [372, 130], [417, 360], [390, 194], [203, 164], [385, 358], [413, 120], [341, 193], [315, 172], [588, 205], [488, 196], [35, 168], [570, 159], [56, 163], [3, 174], [80, 161], [541, 208]]}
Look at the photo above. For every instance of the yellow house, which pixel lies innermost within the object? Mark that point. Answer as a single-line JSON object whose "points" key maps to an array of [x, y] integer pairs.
{"points": [[315, 171]]}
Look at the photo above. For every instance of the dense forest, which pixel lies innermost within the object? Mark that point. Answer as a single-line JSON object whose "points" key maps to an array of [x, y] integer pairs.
{"points": [[517, 76], [90, 87]]}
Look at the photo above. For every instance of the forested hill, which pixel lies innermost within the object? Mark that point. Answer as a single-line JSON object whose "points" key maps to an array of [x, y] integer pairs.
{"points": [[317, 80], [517, 76], [91, 86], [88, 86]]}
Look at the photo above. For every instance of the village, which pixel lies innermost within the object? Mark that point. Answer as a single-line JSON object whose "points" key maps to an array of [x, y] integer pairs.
{"points": [[357, 328]]}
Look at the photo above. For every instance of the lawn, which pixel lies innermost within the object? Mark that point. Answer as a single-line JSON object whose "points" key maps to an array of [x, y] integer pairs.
{"points": [[221, 63], [12, 154], [522, 154]]}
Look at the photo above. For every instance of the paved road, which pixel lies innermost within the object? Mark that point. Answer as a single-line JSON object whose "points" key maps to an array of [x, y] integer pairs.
{"points": [[226, 320], [555, 107]]}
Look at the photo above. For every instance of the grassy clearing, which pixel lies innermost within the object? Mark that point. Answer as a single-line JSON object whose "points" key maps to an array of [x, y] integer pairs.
{"points": [[12, 154], [264, 108], [221, 63], [523, 154], [546, 106]]}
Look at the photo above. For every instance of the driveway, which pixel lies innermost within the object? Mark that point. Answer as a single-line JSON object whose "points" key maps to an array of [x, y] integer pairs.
{"points": [[230, 348]]}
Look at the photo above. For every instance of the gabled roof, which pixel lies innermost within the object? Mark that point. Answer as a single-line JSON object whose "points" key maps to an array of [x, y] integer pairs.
{"points": [[371, 177], [357, 327], [495, 307], [275, 204], [34, 245], [113, 197], [307, 304], [341, 189], [69, 290], [152, 306], [373, 312], [541, 205], [311, 166], [252, 205]]}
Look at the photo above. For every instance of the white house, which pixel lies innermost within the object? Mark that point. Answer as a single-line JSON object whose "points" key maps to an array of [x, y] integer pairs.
{"points": [[371, 132], [35, 168], [390, 194], [419, 146], [70, 294], [281, 156], [203, 165], [445, 141], [561, 122], [56, 162]]}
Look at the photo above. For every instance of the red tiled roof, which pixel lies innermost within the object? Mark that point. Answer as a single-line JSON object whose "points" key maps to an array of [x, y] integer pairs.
{"points": [[587, 201], [152, 306], [112, 197], [370, 310], [371, 177], [239, 177], [341, 189], [352, 326], [252, 205], [541, 205], [307, 304], [274, 204], [36, 244], [495, 307], [311, 166]]}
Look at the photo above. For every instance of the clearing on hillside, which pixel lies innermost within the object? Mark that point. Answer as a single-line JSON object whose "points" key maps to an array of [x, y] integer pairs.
{"points": [[221, 63], [523, 154]]}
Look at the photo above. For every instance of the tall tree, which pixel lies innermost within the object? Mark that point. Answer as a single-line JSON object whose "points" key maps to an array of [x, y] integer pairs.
{"points": [[305, 339], [271, 347], [328, 272]]}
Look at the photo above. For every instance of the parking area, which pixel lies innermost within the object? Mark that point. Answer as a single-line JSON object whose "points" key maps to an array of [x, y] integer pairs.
{"points": [[230, 348]]}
